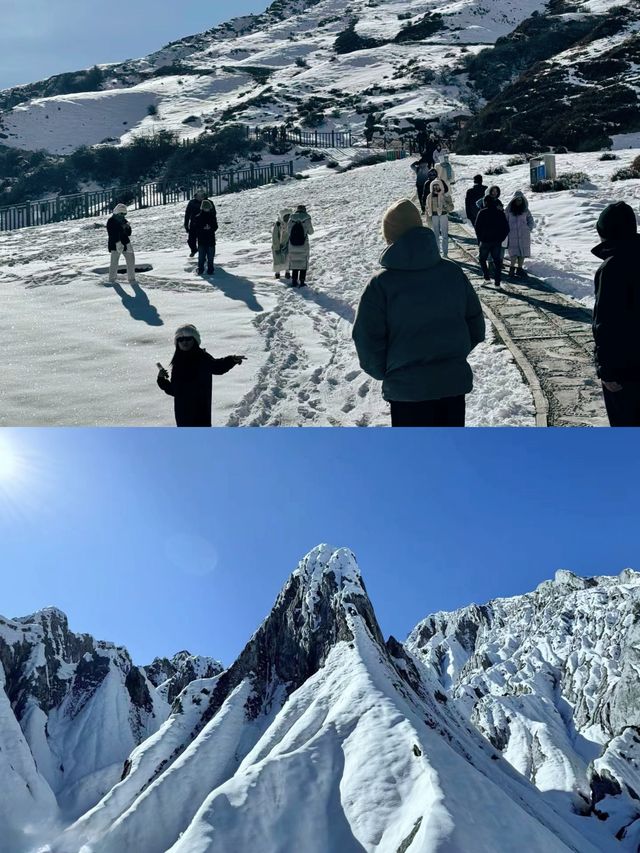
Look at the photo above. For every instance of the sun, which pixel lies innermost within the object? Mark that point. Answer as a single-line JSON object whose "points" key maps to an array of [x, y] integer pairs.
{"points": [[9, 461]]}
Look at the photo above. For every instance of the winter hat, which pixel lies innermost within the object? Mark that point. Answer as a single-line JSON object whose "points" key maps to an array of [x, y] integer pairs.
{"points": [[617, 222], [188, 331], [206, 204], [477, 179], [301, 208], [120, 208], [400, 218]]}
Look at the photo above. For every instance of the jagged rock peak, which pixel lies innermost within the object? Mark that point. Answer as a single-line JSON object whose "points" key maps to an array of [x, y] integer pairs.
{"points": [[47, 615], [325, 560]]}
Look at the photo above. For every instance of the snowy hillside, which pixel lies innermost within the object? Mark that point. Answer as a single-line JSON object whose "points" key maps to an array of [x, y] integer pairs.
{"points": [[551, 679], [71, 711], [322, 737], [313, 63]]}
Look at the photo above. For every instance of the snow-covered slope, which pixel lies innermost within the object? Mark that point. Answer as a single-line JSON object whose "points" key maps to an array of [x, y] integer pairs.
{"points": [[396, 59], [551, 679], [71, 710], [322, 737]]}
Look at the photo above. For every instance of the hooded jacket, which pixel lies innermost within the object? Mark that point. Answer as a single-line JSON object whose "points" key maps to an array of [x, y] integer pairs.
{"points": [[190, 385], [280, 242], [520, 227], [616, 313], [204, 225], [481, 201], [193, 208], [299, 255], [418, 320], [440, 204]]}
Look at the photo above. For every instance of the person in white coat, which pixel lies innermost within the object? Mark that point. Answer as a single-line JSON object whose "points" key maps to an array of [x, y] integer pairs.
{"points": [[299, 228], [119, 243], [280, 244], [521, 224], [439, 205]]}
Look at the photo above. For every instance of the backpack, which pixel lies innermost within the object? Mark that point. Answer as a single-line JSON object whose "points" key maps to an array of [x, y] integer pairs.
{"points": [[297, 236]]}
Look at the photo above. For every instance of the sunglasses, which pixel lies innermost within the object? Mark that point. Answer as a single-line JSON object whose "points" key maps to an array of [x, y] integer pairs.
{"points": [[185, 339]]}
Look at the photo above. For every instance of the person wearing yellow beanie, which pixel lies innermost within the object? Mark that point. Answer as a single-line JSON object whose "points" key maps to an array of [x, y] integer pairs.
{"points": [[418, 320]]}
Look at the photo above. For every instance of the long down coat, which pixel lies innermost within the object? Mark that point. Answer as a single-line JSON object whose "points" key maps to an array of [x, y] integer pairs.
{"points": [[520, 227], [299, 255]]}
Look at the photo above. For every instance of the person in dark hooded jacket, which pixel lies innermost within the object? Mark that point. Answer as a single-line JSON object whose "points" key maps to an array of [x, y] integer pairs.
{"points": [[473, 196], [491, 229], [205, 225], [193, 208], [418, 320], [616, 313], [422, 167], [190, 380]]}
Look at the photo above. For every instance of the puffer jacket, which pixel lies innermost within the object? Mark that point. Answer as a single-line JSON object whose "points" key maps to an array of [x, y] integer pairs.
{"points": [[520, 227], [418, 320], [299, 255]]}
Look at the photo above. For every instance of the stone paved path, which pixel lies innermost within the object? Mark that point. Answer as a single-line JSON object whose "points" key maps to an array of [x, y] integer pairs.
{"points": [[549, 335]]}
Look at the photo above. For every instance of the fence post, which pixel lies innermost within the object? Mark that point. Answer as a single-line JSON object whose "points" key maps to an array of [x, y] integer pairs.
{"points": [[28, 213], [291, 168]]}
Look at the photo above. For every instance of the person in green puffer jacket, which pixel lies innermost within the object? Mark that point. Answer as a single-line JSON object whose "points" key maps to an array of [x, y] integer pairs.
{"points": [[417, 321]]}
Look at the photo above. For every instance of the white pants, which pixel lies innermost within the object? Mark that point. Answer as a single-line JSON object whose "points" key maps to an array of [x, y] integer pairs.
{"points": [[130, 260], [440, 227]]}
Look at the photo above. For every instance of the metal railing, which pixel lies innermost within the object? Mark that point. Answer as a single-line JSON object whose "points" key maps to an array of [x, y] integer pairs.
{"points": [[152, 194], [309, 138]]}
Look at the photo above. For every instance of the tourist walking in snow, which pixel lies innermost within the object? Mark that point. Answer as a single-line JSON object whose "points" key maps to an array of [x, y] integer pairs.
{"points": [[494, 192], [418, 320], [473, 196], [439, 205], [280, 244], [299, 227], [432, 176], [521, 224], [445, 170], [422, 168], [492, 229], [190, 381], [193, 208], [119, 243], [205, 225], [616, 314]]}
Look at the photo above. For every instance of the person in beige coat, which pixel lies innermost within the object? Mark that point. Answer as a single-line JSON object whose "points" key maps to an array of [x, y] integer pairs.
{"points": [[280, 244], [299, 227], [438, 207]]}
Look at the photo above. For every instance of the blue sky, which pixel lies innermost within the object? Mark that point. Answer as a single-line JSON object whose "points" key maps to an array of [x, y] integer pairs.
{"points": [[39, 38], [163, 539]]}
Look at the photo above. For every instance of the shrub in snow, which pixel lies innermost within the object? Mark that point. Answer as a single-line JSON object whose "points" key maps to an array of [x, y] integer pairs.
{"points": [[152, 110], [517, 160], [496, 170], [301, 62], [628, 174], [609, 155], [349, 40], [569, 181]]}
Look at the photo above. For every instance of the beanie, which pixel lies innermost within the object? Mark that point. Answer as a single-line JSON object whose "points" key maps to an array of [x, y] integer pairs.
{"points": [[617, 222], [400, 218], [188, 331], [120, 208]]}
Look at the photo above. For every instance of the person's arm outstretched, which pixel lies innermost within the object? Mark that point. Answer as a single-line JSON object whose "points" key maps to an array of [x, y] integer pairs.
{"points": [[220, 366]]}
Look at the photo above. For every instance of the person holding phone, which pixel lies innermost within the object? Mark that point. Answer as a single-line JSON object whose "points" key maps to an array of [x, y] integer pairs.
{"points": [[190, 382]]}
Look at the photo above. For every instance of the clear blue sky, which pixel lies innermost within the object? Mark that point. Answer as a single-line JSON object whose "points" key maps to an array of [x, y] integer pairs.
{"points": [[167, 539], [39, 38]]}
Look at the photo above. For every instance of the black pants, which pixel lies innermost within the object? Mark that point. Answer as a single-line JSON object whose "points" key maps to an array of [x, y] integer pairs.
{"points": [[192, 240], [446, 412], [495, 250], [623, 407], [294, 276]]}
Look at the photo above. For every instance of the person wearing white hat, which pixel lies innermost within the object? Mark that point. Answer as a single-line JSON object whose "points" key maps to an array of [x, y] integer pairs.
{"points": [[280, 244], [119, 243], [190, 382]]}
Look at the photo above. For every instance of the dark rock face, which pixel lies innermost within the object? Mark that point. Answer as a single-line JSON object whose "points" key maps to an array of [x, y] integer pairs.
{"points": [[138, 690], [296, 638], [179, 671]]}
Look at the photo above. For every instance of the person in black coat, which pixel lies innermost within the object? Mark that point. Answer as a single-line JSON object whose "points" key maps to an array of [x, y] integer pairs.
{"points": [[193, 208], [491, 229], [473, 196], [190, 381], [205, 225], [616, 314], [421, 167], [119, 243]]}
